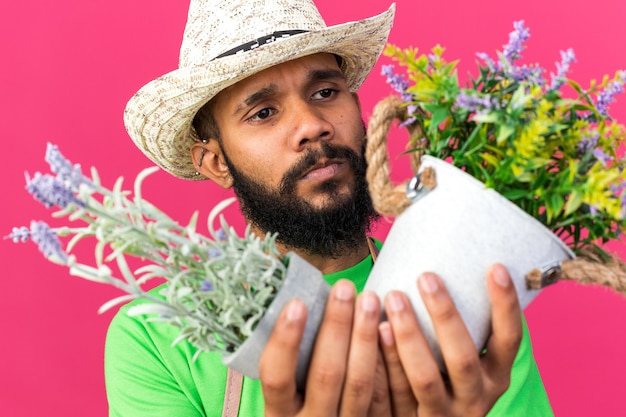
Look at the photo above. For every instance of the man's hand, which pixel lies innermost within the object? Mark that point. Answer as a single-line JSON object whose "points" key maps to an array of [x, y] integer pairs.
{"points": [[473, 383], [346, 376]]}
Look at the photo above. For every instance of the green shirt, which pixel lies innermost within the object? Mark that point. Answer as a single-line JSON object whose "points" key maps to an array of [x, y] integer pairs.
{"points": [[146, 376]]}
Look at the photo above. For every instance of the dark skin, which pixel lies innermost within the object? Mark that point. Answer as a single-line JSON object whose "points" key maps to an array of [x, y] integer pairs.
{"points": [[360, 367]]}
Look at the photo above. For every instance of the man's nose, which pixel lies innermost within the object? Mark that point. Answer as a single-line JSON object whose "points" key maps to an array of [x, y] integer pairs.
{"points": [[310, 125]]}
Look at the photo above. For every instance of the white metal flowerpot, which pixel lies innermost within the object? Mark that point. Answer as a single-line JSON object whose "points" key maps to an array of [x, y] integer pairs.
{"points": [[458, 230], [305, 282]]}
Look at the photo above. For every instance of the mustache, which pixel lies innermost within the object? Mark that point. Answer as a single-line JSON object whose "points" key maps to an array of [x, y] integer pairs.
{"points": [[312, 157]]}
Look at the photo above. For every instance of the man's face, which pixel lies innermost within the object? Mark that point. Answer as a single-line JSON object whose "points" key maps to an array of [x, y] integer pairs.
{"points": [[292, 138]]}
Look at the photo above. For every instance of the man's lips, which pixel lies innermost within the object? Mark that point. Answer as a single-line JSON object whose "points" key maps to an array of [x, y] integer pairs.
{"points": [[323, 170]]}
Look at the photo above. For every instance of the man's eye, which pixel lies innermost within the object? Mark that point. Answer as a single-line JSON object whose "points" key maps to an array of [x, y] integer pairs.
{"points": [[325, 93], [262, 114]]}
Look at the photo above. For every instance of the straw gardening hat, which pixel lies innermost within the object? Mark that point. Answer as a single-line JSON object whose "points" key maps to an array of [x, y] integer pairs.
{"points": [[226, 41]]}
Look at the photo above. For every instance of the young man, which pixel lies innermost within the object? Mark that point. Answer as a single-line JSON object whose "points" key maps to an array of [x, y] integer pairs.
{"points": [[265, 102]]}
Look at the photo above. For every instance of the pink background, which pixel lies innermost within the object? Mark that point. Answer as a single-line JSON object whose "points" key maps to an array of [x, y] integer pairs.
{"points": [[66, 70]]}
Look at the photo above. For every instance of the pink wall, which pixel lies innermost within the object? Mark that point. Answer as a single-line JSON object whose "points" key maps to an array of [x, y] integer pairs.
{"points": [[66, 70]]}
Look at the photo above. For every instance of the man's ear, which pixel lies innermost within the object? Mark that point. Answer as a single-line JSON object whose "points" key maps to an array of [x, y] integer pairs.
{"points": [[208, 159]]}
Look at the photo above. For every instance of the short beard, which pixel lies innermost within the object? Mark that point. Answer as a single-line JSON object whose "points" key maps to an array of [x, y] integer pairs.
{"points": [[332, 231]]}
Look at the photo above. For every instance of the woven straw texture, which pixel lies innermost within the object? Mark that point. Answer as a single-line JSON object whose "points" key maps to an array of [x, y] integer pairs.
{"points": [[158, 117]]}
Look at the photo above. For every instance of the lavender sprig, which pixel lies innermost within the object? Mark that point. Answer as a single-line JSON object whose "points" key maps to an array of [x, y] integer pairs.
{"points": [[397, 82], [217, 286], [607, 96], [475, 103], [45, 237], [52, 191], [66, 172], [558, 79], [512, 51]]}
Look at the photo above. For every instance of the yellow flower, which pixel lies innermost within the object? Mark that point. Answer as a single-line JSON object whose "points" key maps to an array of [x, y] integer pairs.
{"points": [[597, 192]]}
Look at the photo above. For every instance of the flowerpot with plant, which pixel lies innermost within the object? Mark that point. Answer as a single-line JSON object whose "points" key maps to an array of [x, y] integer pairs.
{"points": [[511, 169], [224, 292]]}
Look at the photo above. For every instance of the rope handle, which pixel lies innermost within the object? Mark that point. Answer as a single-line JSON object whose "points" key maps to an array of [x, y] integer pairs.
{"points": [[388, 200], [587, 269]]}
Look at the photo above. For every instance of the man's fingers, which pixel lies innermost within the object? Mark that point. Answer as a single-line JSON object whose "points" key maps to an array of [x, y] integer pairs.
{"points": [[403, 400], [414, 352], [328, 365], [362, 361], [279, 361], [381, 396], [472, 384], [457, 347], [506, 326]]}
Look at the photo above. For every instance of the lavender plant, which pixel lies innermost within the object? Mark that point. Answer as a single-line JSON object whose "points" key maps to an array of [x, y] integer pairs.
{"points": [[551, 151], [216, 288]]}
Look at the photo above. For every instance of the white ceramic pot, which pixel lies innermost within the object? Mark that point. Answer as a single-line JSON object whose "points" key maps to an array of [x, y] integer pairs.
{"points": [[305, 282], [458, 230]]}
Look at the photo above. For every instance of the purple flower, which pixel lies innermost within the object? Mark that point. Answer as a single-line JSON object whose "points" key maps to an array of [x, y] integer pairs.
{"points": [[397, 82], [473, 103], [406, 97], [567, 57], [617, 188], [47, 240], [602, 157], [526, 74], [433, 59], [50, 191], [221, 235], [408, 122], [513, 50], [607, 96], [206, 286], [64, 168], [588, 142], [214, 253], [19, 234]]}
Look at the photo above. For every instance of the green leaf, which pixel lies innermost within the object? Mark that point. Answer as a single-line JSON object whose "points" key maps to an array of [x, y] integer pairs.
{"points": [[118, 300], [117, 191], [87, 272], [573, 202], [152, 308], [217, 210], [99, 252], [575, 86], [486, 117], [390, 50], [504, 133], [557, 203], [490, 159], [75, 239], [139, 180], [125, 270], [193, 221], [516, 194], [439, 114], [95, 178]]}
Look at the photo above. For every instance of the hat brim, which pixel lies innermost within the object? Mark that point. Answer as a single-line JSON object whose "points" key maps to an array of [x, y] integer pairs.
{"points": [[158, 117]]}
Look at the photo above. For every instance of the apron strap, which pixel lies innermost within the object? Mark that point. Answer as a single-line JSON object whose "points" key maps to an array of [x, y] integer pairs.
{"points": [[373, 249], [232, 396]]}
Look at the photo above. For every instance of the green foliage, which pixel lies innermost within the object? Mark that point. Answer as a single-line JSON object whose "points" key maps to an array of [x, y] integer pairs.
{"points": [[216, 288], [553, 156]]}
